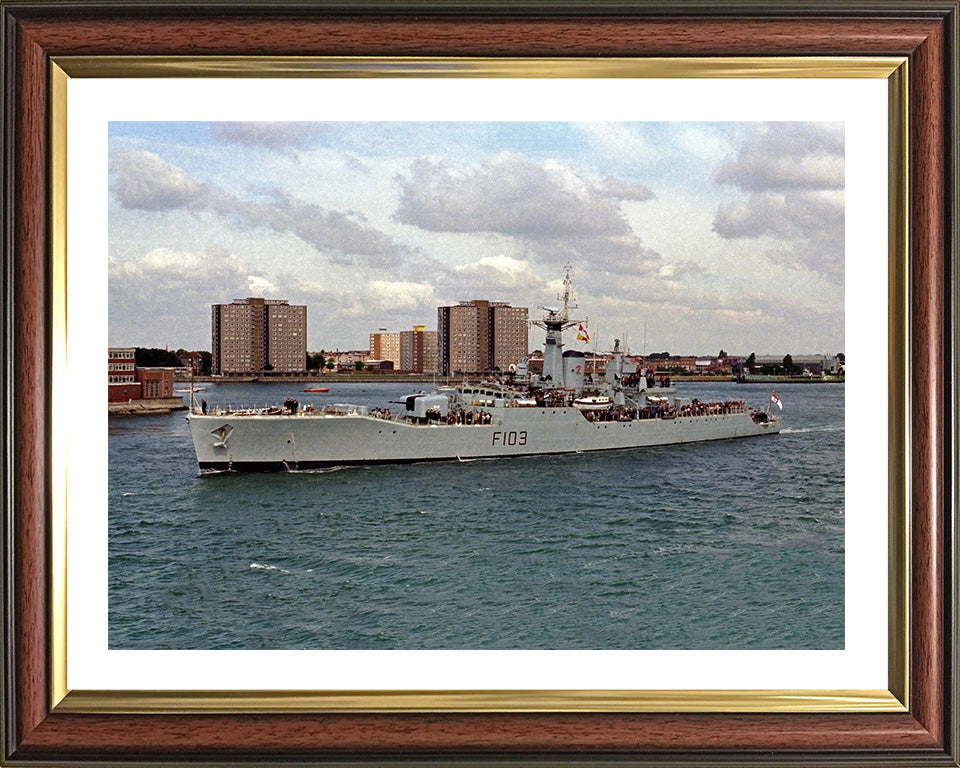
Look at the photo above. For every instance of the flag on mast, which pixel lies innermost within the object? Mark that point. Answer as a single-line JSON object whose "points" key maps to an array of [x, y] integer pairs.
{"points": [[582, 334], [775, 399]]}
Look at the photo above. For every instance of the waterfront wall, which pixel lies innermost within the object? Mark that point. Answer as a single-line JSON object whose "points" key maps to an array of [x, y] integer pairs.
{"points": [[147, 405], [416, 378]]}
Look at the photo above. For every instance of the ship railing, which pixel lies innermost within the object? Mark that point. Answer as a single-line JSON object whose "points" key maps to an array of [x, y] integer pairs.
{"points": [[265, 410], [663, 411], [229, 410]]}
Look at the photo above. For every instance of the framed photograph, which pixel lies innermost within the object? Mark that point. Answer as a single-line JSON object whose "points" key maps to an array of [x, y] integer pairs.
{"points": [[756, 172]]}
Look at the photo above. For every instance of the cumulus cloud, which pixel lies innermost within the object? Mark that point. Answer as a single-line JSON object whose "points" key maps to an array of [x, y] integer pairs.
{"points": [[508, 194], [787, 156], [682, 270], [399, 294], [546, 209], [163, 285], [354, 310], [143, 181], [261, 286], [794, 176], [623, 189], [342, 235], [788, 215], [270, 135], [515, 268], [499, 275]]}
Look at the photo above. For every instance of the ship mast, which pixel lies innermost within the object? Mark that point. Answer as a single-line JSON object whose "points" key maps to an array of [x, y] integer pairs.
{"points": [[555, 321], [567, 294]]}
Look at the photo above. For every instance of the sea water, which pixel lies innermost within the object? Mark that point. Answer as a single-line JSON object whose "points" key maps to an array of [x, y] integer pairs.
{"points": [[733, 544]]}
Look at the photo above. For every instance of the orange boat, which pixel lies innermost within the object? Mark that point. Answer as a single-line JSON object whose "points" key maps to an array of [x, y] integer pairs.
{"points": [[317, 389]]}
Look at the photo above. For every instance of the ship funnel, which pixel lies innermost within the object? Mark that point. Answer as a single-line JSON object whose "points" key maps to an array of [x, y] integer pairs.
{"points": [[574, 367]]}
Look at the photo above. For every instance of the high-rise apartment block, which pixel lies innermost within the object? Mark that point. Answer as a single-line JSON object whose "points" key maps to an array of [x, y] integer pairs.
{"points": [[480, 336], [255, 335], [510, 335], [418, 350], [385, 346], [411, 351]]}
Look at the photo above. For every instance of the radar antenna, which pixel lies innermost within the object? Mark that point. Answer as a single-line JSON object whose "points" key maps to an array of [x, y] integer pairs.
{"points": [[556, 316]]}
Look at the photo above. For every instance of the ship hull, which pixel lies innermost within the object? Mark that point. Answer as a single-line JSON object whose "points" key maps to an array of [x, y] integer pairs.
{"points": [[258, 443]]}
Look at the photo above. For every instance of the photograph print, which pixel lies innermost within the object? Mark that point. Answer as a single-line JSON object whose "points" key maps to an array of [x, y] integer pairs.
{"points": [[476, 385]]}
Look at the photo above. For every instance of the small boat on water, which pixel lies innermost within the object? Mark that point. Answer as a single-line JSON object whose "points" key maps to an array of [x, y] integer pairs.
{"points": [[316, 390]]}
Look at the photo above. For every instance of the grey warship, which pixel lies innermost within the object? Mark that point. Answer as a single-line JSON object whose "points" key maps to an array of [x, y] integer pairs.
{"points": [[561, 410]]}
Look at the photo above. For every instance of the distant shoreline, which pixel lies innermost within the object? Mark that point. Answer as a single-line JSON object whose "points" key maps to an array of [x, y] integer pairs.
{"points": [[394, 378]]}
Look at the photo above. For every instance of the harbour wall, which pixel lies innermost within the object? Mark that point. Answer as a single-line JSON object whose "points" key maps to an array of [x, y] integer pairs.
{"points": [[147, 406], [393, 378]]}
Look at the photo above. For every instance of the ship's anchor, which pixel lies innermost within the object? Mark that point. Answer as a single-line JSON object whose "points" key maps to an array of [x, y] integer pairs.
{"points": [[291, 464]]}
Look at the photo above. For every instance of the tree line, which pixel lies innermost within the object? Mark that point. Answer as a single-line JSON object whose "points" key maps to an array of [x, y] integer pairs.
{"points": [[153, 357]]}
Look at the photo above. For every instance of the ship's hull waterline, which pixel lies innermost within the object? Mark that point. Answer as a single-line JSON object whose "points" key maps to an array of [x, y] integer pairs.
{"points": [[297, 442]]}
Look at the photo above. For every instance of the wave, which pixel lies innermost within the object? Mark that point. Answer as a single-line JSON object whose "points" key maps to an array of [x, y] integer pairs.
{"points": [[830, 428], [317, 470], [264, 567]]}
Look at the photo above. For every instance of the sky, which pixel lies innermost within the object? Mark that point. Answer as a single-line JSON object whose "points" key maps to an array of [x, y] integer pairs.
{"points": [[687, 237]]}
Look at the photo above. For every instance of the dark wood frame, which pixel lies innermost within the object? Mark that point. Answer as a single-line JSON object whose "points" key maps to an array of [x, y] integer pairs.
{"points": [[925, 32]]}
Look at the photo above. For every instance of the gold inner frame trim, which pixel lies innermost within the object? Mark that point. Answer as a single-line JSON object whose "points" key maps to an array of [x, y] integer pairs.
{"points": [[236, 702], [893, 69], [58, 372], [898, 416], [425, 66]]}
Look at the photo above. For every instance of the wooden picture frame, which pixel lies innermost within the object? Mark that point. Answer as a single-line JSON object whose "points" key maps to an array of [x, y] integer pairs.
{"points": [[35, 34]]}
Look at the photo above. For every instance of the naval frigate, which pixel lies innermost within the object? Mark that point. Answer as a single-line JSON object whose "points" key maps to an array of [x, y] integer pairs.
{"points": [[561, 410]]}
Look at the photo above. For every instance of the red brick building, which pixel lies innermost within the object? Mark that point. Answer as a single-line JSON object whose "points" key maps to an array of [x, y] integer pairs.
{"points": [[192, 361], [126, 382], [122, 384], [155, 382]]}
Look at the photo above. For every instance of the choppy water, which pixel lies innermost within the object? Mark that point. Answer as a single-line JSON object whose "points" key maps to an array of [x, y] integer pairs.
{"points": [[729, 545]]}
